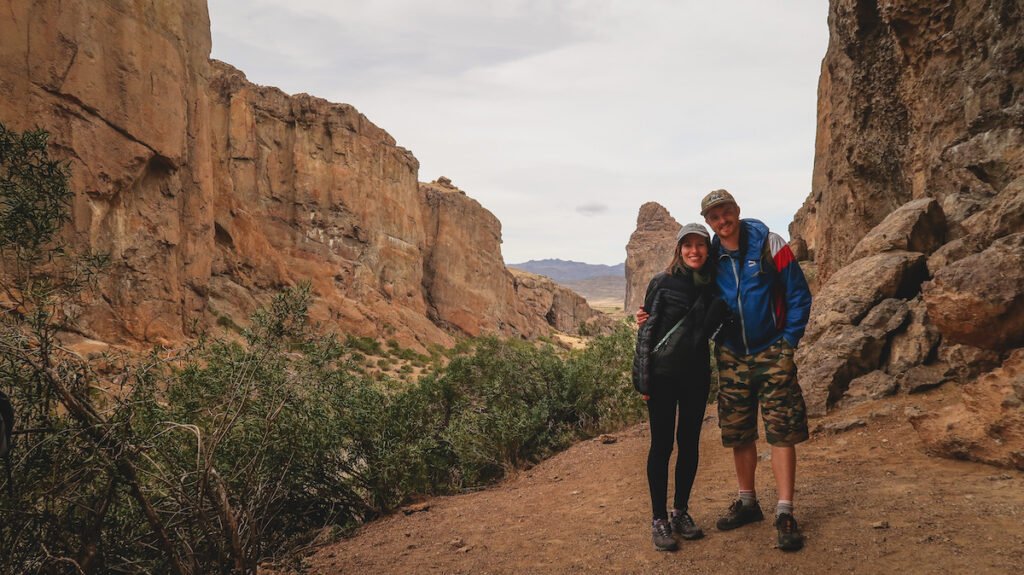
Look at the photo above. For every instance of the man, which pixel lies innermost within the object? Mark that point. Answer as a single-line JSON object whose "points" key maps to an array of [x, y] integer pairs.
{"points": [[766, 291]]}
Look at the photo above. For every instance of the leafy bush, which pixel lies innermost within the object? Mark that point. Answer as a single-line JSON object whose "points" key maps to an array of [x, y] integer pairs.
{"points": [[215, 457]]}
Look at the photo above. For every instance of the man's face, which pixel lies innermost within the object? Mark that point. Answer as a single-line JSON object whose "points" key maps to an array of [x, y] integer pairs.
{"points": [[724, 220]]}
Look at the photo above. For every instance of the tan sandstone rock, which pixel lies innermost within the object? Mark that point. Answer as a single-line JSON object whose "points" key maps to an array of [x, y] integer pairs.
{"points": [[843, 353], [979, 300], [649, 251], [211, 193], [917, 226], [913, 345], [848, 296], [988, 426], [562, 308], [916, 99]]}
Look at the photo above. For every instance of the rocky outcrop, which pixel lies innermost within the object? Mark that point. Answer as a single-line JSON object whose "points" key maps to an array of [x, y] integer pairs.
{"points": [[916, 100], [920, 150], [561, 307], [988, 426], [857, 288], [917, 226], [979, 300], [211, 193], [649, 251]]}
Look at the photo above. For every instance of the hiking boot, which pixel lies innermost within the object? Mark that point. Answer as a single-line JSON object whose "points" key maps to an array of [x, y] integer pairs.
{"points": [[661, 532], [790, 537], [739, 515], [683, 525]]}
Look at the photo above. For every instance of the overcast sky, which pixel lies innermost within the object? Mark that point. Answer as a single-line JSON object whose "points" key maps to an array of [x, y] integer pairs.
{"points": [[562, 117]]}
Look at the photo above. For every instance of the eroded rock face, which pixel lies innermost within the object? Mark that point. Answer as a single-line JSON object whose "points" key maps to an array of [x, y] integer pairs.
{"points": [[649, 251], [121, 117], [211, 194], [857, 288], [916, 99], [914, 345], [562, 308], [989, 425], [917, 226], [979, 300]]}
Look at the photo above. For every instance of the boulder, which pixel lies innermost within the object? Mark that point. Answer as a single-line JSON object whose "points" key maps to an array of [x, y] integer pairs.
{"points": [[956, 250], [1004, 214], [649, 251], [843, 352], [979, 300], [988, 426], [873, 386], [827, 366], [888, 316], [913, 345], [854, 290], [966, 362], [917, 226], [921, 378]]}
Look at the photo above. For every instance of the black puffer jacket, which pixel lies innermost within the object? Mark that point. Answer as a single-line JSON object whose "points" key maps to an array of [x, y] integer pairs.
{"points": [[664, 356]]}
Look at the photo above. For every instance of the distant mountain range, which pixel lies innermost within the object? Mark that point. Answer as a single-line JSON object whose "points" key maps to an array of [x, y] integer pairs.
{"points": [[563, 271]]}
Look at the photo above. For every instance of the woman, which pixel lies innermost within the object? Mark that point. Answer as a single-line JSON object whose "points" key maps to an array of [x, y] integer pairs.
{"points": [[672, 369]]}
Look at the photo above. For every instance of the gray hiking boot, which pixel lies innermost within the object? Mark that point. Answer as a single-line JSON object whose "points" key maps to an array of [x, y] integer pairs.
{"points": [[661, 532], [739, 515], [790, 537], [683, 525]]}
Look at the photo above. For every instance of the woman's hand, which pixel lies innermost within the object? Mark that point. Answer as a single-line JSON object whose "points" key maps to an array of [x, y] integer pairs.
{"points": [[641, 316]]}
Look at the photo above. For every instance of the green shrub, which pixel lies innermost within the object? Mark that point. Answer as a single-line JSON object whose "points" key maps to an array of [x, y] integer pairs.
{"points": [[210, 458]]}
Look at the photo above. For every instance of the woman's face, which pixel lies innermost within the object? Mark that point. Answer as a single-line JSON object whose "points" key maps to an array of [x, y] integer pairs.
{"points": [[694, 251]]}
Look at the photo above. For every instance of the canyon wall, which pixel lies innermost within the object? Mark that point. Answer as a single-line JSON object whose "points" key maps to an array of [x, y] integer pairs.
{"points": [[211, 193], [915, 221], [916, 99]]}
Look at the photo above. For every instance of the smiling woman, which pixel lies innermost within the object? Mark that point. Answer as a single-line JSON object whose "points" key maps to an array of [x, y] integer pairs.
{"points": [[672, 370], [561, 104]]}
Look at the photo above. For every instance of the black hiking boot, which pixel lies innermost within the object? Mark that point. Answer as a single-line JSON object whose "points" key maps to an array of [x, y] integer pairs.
{"points": [[683, 525], [661, 532], [739, 515], [790, 537]]}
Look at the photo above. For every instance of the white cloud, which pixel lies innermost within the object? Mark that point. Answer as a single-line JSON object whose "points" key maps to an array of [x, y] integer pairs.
{"points": [[536, 108]]}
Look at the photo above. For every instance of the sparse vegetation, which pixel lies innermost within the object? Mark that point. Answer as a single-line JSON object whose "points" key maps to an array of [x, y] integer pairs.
{"points": [[213, 458]]}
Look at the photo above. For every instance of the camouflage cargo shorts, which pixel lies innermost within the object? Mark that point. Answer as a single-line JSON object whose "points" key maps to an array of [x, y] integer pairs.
{"points": [[767, 378]]}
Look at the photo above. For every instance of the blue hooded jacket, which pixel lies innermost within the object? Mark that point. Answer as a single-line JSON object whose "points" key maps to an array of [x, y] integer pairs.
{"points": [[764, 288]]}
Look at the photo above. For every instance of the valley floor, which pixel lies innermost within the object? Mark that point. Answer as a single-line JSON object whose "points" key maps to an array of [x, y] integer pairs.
{"points": [[869, 501]]}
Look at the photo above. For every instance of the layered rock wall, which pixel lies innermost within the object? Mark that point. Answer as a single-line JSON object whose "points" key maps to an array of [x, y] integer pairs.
{"points": [[916, 218], [916, 99], [131, 121], [211, 193]]}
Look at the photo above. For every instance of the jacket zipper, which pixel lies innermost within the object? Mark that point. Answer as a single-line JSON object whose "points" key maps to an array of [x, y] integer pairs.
{"points": [[739, 305]]}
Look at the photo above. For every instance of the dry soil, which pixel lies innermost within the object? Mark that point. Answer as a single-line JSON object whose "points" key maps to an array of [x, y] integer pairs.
{"points": [[868, 498]]}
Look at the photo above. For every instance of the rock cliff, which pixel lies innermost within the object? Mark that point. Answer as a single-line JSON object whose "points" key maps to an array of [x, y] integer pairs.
{"points": [[915, 218], [211, 193], [649, 251], [916, 99]]}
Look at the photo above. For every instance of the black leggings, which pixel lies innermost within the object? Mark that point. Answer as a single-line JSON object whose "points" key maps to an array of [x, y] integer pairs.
{"points": [[689, 400]]}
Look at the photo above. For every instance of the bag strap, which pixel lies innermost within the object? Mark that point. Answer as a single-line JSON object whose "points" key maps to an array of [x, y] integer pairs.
{"points": [[664, 339]]}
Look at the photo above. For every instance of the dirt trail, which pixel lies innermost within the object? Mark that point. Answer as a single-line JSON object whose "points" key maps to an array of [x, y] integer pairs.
{"points": [[869, 500]]}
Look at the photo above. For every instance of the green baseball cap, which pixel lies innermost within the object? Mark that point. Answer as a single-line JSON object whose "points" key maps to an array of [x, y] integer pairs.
{"points": [[716, 198]]}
